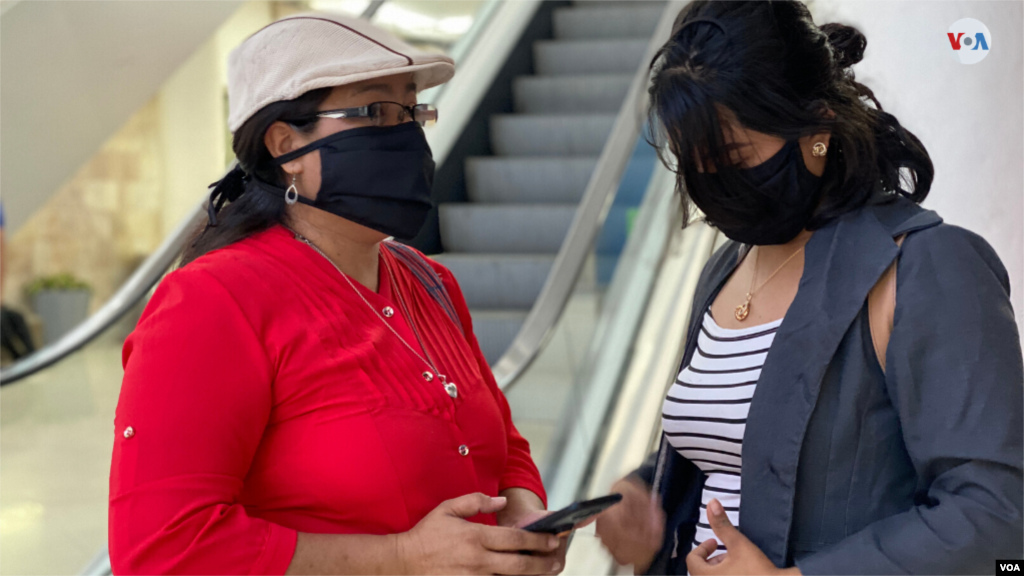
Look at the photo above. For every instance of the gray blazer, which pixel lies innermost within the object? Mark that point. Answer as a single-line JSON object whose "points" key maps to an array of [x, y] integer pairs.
{"points": [[849, 470]]}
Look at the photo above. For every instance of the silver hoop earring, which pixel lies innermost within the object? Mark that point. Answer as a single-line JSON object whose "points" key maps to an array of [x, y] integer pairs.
{"points": [[819, 149], [291, 195]]}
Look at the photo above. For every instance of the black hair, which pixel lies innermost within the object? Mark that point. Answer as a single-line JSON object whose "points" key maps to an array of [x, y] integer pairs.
{"points": [[249, 211], [774, 71]]}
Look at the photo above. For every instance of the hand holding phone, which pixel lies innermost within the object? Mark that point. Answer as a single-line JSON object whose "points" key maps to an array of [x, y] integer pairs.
{"points": [[564, 520]]}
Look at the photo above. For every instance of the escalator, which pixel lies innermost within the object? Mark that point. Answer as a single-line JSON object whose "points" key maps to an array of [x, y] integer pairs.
{"points": [[501, 244], [566, 243]]}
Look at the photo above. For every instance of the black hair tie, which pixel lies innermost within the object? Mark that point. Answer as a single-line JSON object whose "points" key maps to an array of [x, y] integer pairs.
{"points": [[227, 189]]}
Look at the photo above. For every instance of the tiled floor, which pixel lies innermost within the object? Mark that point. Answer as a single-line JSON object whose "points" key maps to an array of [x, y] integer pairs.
{"points": [[56, 435]]}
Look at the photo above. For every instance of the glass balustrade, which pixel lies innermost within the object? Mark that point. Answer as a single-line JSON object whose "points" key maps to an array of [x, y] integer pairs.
{"points": [[549, 396]]}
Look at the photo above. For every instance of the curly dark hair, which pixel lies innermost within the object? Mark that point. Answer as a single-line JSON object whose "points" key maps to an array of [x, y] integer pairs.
{"points": [[771, 68]]}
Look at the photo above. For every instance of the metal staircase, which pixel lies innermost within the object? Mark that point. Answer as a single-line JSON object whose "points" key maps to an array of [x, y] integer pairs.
{"points": [[501, 244]]}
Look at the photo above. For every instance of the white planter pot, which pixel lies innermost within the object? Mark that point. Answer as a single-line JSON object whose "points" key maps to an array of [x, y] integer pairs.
{"points": [[60, 311]]}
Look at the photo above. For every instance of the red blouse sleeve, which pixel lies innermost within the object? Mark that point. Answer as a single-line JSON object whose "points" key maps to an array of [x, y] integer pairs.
{"points": [[194, 403], [520, 470]]}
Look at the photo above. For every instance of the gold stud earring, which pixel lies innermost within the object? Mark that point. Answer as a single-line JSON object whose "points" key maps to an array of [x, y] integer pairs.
{"points": [[819, 149]]}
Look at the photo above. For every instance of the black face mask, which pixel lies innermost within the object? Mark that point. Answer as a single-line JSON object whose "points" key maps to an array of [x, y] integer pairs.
{"points": [[778, 196], [379, 177]]}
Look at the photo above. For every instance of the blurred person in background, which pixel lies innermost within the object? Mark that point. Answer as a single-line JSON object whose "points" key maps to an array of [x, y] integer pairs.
{"points": [[850, 397], [15, 337], [304, 395]]}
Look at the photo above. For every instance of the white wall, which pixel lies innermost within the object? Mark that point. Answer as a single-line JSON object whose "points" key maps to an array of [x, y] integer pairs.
{"points": [[72, 73], [968, 116], [192, 132]]}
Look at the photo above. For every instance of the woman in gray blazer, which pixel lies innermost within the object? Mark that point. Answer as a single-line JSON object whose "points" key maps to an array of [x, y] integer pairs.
{"points": [[797, 439]]}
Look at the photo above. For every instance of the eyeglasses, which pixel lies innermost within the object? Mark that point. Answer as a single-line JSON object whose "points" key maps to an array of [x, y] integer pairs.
{"points": [[379, 114]]}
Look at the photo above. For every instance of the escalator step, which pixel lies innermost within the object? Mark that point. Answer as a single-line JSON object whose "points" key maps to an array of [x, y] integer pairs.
{"points": [[528, 179], [499, 281], [505, 228], [570, 94], [550, 135], [607, 20], [576, 57]]}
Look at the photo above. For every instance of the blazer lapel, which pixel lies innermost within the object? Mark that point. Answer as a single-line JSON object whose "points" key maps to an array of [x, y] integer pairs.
{"points": [[841, 263]]}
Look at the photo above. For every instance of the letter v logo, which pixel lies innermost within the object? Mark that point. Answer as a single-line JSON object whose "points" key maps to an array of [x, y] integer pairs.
{"points": [[969, 41]]}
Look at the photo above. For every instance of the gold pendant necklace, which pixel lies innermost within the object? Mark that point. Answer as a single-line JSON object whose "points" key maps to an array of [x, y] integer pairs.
{"points": [[743, 310]]}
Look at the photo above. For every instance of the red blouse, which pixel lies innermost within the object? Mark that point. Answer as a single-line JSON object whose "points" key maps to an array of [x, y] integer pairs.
{"points": [[262, 397]]}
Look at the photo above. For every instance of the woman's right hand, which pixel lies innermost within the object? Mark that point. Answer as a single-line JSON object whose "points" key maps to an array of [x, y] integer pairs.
{"points": [[445, 543], [632, 530]]}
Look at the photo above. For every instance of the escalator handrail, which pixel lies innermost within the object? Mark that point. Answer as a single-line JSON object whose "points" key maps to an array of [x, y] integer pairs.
{"points": [[625, 303], [130, 293], [589, 218], [157, 264], [632, 429]]}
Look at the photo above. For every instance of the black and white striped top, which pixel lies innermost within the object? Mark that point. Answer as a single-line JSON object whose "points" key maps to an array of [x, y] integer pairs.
{"points": [[705, 412]]}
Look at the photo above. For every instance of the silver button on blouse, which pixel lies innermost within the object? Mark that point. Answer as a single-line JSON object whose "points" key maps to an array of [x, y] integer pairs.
{"points": [[388, 311], [464, 450], [129, 432], [428, 376]]}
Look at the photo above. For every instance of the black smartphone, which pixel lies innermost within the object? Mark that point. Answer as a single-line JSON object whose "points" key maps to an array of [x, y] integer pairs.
{"points": [[563, 521]]}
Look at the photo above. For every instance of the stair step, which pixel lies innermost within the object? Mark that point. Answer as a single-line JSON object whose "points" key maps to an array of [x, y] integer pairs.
{"points": [[607, 20], [505, 228], [499, 281], [495, 330], [570, 94], [528, 179], [549, 134], [577, 57]]}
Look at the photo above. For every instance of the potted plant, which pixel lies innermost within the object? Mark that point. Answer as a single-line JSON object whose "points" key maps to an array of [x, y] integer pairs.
{"points": [[61, 301]]}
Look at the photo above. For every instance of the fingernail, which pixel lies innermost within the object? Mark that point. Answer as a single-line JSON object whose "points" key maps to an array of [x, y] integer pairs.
{"points": [[553, 542], [498, 499], [716, 507], [556, 567]]}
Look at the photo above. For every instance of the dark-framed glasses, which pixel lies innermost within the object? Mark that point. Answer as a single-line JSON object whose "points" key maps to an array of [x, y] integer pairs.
{"points": [[379, 114]]}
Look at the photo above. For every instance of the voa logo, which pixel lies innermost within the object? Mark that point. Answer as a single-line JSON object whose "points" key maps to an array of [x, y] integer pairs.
{"points": [[970, 40], [1009, 567]]}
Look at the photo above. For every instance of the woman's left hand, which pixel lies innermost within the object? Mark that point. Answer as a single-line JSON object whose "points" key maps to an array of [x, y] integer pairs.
{"points": [[559, 553], [743, 556], [525, 508]]}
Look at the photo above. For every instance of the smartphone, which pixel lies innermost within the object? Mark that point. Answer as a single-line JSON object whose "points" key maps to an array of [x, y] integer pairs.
{"points": [[560, 522]]}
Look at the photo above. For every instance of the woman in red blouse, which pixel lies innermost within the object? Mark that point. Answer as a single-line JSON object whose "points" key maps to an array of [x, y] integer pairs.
{"points": [[304, 395]]}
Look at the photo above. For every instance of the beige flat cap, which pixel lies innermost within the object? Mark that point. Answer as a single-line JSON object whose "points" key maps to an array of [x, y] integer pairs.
{"points": [[300, 53]]}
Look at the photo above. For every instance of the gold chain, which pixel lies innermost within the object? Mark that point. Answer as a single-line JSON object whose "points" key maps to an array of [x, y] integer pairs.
{"points": [[743, 310]]}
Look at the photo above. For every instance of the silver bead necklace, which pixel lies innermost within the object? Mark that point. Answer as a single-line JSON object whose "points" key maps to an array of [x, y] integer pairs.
{"points": [[449, 387]]}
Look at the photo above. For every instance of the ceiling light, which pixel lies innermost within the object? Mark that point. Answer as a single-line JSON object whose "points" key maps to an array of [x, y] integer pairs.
{"points": [[455, 24], [355, 7]]}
